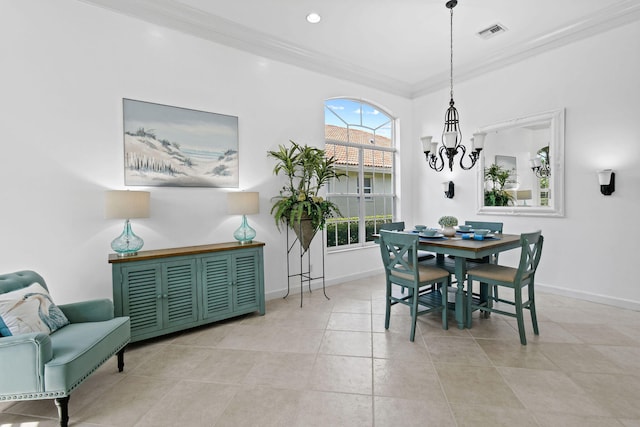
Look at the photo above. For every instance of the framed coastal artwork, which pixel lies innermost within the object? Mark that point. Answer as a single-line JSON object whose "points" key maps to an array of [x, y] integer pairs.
{"points": [[169, 146]]}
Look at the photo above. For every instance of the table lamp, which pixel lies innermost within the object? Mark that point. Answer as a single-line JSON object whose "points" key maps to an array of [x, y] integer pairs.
{"points": [[523, 195], [126, 205], [243, 203]]}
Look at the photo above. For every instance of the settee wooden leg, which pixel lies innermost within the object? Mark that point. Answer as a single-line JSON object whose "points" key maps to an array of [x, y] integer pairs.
{"points": [[63, 410], [121, 360]]}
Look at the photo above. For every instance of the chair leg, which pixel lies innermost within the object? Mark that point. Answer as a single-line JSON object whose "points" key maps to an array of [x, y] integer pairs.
{"points": [[519, 314], [495, 293], [445, 304], [63, 410], [532, 309], [414, 312], [388, 309]]}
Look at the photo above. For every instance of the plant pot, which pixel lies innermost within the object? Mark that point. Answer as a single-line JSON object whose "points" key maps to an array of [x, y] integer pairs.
{"points": [[305, 232], [449, 231]]}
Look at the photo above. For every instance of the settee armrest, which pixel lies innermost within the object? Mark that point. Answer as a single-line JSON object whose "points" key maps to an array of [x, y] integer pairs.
{"points": [[23, 359], [88, 311]]}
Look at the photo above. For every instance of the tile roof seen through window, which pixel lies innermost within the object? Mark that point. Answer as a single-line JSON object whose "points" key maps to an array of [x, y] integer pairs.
{"points": [[349, 155]]}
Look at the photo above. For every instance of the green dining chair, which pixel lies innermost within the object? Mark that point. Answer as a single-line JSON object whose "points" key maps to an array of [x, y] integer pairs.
{"points": [[493, 227], [392, 226], [510, 277], [400, 258], [399, 226]]}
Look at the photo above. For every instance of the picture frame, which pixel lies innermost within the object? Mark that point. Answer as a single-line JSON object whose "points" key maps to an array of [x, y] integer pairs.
{"points": [[167, 146]]}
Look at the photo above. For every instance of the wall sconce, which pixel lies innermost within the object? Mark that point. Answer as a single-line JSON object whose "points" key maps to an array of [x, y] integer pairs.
{"points": [[243, 203], [127, 205], [607, 180], [448, 188]]}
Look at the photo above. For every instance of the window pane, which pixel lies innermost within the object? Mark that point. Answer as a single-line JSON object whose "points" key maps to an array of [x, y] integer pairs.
{"points": [[358, 136]]}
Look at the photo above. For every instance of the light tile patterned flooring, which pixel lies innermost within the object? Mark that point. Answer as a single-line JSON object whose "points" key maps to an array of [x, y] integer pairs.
{"points": [[331, 363]]}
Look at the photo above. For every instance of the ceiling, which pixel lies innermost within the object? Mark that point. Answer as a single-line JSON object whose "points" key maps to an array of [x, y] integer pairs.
{"points": [[399, 46]]}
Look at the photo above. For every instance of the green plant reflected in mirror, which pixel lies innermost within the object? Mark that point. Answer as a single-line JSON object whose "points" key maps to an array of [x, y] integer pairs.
{"points": [[508, 182]]}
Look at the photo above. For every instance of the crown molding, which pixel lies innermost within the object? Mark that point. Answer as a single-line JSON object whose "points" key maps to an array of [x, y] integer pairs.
{"points": [[188, 20], [185, 19], [593, 24]]}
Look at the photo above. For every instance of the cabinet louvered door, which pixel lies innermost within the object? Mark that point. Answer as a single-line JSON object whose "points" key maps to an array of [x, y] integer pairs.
{"points": [[142, 294], [217, 286], [245, 281], [180, 302]]}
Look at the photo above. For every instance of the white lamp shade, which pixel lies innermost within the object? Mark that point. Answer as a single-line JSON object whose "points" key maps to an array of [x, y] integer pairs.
{"points": [[478, 140], [243, 203], [426, 143], [122, 204], [434, 147], [450, 139], [523, 195], [604, 176]]}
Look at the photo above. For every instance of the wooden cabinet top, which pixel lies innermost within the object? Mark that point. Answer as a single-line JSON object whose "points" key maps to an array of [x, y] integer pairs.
{"points": [[187, 250]]}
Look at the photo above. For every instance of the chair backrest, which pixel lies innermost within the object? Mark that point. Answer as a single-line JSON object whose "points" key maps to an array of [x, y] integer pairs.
{"points": [[18, 280], [393, 226], [531, 244], [399, 253], [493, 227]]}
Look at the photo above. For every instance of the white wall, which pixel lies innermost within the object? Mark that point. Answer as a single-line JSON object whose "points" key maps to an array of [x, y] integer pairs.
{"points": [[66, 67], [591, 252]]}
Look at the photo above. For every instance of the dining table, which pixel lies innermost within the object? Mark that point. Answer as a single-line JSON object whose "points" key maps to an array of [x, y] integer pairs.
{"points": [[464, 248]]}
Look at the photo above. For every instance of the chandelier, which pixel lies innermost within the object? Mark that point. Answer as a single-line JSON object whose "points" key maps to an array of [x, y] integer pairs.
{"points": [[451, 134], [540, 163], [540, 167]]}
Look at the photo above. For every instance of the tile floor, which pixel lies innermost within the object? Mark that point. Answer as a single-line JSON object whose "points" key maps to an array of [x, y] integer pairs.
{"points": [[331, 363]]}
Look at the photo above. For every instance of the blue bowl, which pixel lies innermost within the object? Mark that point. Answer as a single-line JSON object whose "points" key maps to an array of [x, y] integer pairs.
{"points": [[420, 227], [464, 227], [429, 232], [481, 231]]}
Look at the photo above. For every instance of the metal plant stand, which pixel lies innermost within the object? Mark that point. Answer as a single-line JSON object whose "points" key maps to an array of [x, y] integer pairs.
{"points": [[305, 275]]}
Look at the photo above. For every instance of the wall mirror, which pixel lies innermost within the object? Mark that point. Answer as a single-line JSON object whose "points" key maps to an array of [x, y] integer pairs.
{"points": [[521, 171]]}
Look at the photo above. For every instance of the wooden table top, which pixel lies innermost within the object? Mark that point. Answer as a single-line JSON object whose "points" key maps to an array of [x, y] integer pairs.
{"points": [[472, 244], [187, 250]]}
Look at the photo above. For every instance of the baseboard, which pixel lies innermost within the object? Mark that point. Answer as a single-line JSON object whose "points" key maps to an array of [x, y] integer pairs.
{"points": [[587, 296], [317, 283], [556, 290]]}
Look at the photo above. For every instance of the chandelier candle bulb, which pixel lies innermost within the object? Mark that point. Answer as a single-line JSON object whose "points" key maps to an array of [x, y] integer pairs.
{"points": [[426, 143], [478, 140]]}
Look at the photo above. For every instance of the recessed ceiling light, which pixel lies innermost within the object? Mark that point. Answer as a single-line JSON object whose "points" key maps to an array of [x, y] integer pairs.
{"points": [[313, 18]]}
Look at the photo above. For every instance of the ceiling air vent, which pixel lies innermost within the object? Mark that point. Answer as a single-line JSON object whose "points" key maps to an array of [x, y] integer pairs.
{"points": [[492, 31]]}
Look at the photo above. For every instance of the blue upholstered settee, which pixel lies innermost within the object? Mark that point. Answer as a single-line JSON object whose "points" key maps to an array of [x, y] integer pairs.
{"points": [[38, 365]]}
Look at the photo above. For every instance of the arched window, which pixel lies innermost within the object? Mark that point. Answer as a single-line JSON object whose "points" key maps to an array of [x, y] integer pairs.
{"points": [[361, 138]]}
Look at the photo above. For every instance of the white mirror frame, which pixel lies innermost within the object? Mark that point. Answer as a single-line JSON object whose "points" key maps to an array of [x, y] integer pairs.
{"points": [[556, 154]]}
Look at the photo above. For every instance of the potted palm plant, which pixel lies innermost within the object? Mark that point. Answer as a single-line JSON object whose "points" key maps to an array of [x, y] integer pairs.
{"points": [[298, 205], [498, 177]]}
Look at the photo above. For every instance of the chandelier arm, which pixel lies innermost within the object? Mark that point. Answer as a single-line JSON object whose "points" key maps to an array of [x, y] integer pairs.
{"points": [[474, 155], [435, 165]]}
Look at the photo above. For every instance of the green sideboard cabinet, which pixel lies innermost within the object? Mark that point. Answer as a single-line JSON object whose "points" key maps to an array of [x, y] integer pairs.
{"points": [[169, 290]]}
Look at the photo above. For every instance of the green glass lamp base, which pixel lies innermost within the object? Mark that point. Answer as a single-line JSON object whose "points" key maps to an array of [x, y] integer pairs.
{"points": [[127, 243], [244, 234]]}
